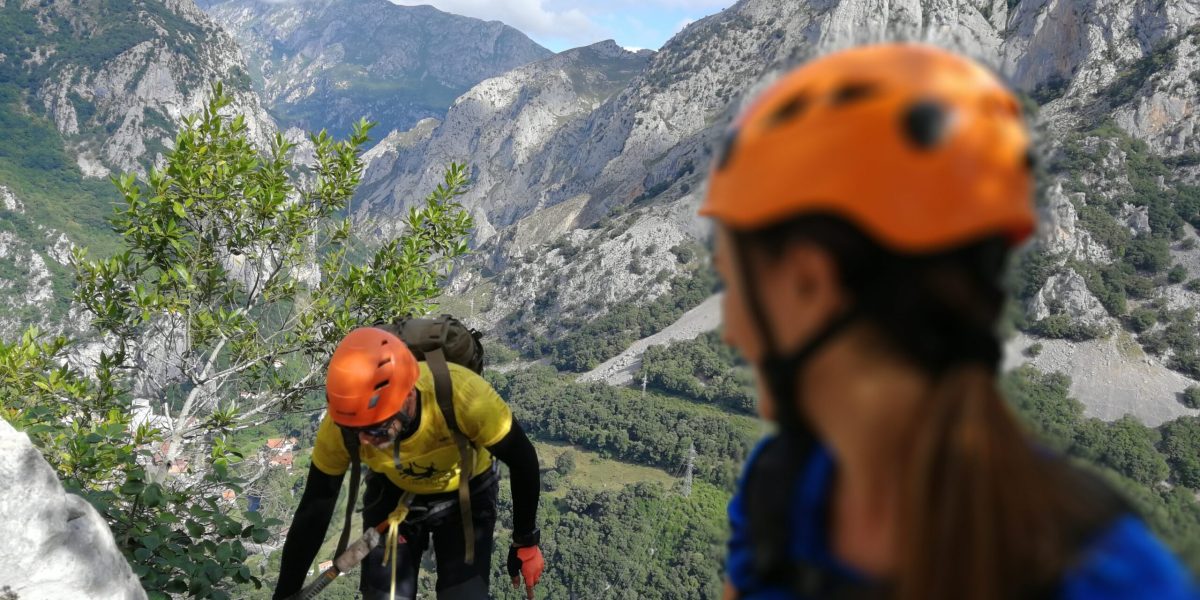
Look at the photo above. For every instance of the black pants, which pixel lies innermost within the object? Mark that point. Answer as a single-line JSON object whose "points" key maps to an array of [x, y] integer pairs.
{"points": [[456, 580]]}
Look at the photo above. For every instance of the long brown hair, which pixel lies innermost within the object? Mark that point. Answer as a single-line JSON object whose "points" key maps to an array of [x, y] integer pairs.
{"points": [[984, 515]]}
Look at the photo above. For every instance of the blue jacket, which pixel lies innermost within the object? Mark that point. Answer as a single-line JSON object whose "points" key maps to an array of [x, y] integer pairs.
{"points": [[1126, 561]]}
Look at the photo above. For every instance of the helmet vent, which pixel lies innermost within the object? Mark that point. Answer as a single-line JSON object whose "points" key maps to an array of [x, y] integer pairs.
{"points": [[925, 124], [381, 385], [790, 110], [384, 362], [853, 92], [727, 146]]}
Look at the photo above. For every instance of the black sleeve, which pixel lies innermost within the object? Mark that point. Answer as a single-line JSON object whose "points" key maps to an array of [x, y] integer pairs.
{"points": [[307, 533], [516, 451]]}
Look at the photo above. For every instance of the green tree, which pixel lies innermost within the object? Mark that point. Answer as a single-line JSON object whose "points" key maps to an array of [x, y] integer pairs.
{"points": [[251, 277], [1181, 445], [565, 463], [236, 275], [1191, 396]]}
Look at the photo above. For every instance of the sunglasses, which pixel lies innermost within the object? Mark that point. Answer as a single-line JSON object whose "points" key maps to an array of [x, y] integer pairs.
{"points": [[381, 430]]}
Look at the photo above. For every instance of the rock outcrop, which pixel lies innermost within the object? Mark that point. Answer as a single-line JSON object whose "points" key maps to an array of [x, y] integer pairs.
{"points": [[116, 81], [1067, 294], [55, 544], [1061, 236]]}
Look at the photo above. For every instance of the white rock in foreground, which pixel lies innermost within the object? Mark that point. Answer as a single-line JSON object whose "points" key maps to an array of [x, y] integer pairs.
{"points": [[55, 544]]}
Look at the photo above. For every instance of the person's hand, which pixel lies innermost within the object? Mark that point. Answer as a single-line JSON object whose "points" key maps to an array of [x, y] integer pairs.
{"points": [[527, 562]]}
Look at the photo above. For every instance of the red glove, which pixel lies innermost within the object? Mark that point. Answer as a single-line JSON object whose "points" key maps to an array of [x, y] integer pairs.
{"points": [[526, 561]]}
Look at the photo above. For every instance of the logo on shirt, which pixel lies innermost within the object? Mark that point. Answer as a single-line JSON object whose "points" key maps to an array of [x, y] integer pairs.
{"points": [[418, 471]]}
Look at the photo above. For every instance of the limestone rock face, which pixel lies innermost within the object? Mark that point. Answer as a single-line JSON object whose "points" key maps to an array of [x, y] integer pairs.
{"points": [[649, 143], [1066, 293], [1059, 233], [327, 63], [116, 84], [502, 128], [31, 261], [55, 544]]}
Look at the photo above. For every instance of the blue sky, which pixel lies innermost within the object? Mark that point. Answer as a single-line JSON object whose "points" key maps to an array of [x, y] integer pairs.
{"points": [[562, 24]]}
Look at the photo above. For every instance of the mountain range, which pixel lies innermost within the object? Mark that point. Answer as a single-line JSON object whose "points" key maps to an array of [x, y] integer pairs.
{"points": [[588, 164]]}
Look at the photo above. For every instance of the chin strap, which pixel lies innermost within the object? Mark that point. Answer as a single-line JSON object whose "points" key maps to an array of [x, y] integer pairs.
{"points": [[781, 369]]}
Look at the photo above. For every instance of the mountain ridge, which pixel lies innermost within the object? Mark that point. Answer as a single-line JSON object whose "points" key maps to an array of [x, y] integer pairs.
{"points": [[322, 64]]}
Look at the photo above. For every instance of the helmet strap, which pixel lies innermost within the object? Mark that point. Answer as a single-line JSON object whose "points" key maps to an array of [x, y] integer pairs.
{"points": [[781, 368]]}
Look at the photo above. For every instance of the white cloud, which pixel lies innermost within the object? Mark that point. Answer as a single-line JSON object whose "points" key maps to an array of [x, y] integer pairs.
{"points": [[532, 17]]}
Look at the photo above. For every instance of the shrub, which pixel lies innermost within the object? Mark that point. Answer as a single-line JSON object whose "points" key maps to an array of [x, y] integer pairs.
{"points": [[1177, 274], [1191, 397], [1142, 319]]}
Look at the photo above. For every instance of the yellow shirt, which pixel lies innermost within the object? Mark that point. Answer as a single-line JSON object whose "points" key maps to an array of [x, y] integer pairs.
{"points": [[428, 462]]}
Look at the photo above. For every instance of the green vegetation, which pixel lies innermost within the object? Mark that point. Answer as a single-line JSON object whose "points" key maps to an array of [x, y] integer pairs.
{"points": [[35, 166], [1177, 274], [622, 424], [575, 467], [197, 545], [256, 338], [1181, 445], [593, 341], [1142, 263], [1132, 456], [702, 370], [1191, 398], [642, 541], [1060, 326]]}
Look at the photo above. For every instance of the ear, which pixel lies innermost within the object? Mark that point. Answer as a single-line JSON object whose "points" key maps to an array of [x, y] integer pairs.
{"points": [[802, 290]]}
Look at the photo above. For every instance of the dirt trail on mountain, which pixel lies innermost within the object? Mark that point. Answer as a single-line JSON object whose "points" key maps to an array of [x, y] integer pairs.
{"points": [[619, 369]]}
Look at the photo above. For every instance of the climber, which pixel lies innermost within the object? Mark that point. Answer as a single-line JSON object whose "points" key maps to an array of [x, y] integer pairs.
{"points": [[865, 205], [380, 395]]}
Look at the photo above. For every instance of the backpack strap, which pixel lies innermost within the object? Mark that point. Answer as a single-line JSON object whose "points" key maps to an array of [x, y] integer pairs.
{"points": [[350, 440], [444, 389]]}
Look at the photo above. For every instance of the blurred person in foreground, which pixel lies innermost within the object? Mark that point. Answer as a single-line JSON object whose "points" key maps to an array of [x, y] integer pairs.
{"points": [[865, 206]]}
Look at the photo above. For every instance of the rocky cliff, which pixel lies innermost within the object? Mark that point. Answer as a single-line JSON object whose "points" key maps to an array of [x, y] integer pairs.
{"points": [[115, 77], [323, 64], [1110, 88], [502, 127]]}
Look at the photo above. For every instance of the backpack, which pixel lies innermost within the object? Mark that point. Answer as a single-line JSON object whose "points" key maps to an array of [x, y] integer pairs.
{"points": [[436, 341]]}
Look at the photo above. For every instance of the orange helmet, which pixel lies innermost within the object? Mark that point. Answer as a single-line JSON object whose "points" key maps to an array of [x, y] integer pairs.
{"points": [[370, 376], [918, 147]]}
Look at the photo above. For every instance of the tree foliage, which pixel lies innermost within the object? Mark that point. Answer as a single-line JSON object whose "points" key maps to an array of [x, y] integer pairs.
{"points": [[703, 369], [641, 541], [1135, 458], [178, 539], [621, 423], [236, 275], [250, 276]]}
